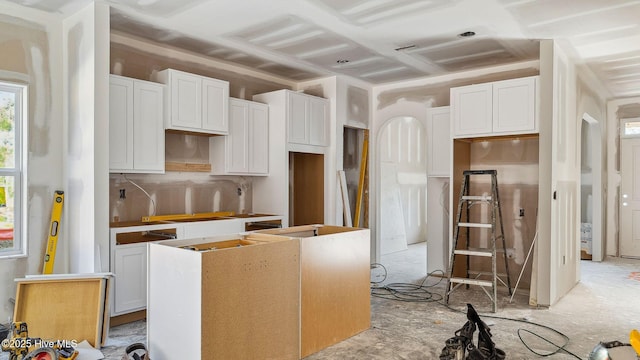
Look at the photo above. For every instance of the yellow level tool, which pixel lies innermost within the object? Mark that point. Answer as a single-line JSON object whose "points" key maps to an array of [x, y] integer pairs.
{"points": [[54, 230], [361, 184], [179, 217]]}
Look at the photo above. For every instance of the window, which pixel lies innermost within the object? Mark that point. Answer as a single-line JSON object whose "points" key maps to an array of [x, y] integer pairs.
{"points": [[12, 117], [630, 127]]}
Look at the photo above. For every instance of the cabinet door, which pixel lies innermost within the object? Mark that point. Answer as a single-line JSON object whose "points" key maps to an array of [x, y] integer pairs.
{"points": [[298, 119], [514, 103], [120, 124], [130, 269], [258, 139], [471, 108], [236, 141], [215, 97], [186, 101], [439, 135], [148, 128], [318, 124]]}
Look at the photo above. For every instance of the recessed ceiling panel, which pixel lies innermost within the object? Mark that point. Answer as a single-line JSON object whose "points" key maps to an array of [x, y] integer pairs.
{"points": [[53, 6], [294, 37], [366, 12], [389, 74], [575, 18], [128, 25], [162, 8], [459, 54]]}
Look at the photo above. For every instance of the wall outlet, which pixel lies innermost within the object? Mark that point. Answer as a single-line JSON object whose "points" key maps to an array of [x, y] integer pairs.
{"points": [[521, 212]]}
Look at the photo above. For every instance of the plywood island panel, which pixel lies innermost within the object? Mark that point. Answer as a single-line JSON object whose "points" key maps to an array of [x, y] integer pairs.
{"points": [[335, 283], [226, 297], [269, 294]]}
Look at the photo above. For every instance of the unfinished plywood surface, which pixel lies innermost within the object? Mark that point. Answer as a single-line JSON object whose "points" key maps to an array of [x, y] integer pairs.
{"points": [[64, 309], [335, 290], [250, 302], [461, 162], [308, 189]]}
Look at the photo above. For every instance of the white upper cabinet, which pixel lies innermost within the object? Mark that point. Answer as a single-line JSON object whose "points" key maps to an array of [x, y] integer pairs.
{"points": [[308, 119], [439, 135], [472, 109], [499, 108], [195, 103], [514, 106], [136, 132], [245, 150]]}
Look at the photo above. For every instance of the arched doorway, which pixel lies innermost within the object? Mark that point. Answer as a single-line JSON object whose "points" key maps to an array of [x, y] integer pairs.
{"points": [[402, 179]]}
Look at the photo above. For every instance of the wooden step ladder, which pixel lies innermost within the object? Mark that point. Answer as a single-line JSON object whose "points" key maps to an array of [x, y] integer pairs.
{"points": [[475, 277]]}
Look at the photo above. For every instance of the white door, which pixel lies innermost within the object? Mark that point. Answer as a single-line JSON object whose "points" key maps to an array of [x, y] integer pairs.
{"points": [[258, 139], [148, 129], [120, 123], [237, 161], [317, 122], [298, 119], [215, 100], [630, 197], [131, 278]]}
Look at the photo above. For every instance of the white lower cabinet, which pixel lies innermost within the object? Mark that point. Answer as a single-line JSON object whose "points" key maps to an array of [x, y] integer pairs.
{"points": [[130, 268], [129, 255]]}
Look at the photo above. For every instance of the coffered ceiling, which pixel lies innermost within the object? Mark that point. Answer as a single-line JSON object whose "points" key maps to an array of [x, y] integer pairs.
{"points": [[381, 41]]}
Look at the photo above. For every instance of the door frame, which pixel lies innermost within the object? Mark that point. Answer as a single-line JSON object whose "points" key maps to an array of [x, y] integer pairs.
{"points": [[598, 244], [623, 136]]}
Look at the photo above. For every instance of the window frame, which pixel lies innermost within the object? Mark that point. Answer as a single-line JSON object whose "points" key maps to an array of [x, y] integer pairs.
{"points": [[18, 171]]}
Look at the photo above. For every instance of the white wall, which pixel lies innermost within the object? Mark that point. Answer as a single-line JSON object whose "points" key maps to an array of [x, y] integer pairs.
{"points": [[30, 42], [86, 63], [563, 102]]}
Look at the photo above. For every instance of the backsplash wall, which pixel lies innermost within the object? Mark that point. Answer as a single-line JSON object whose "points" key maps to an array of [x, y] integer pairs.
{"points": [[176, 193]]}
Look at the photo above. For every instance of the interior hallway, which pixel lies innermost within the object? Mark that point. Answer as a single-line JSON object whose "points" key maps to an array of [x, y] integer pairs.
{"points": [[602, 307]]}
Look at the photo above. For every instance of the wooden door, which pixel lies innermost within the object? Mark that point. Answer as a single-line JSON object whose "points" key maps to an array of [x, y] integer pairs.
{"points": [[307, 198], [630, 197]]}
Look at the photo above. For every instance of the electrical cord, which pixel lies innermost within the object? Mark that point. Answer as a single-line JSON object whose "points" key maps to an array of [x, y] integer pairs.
{"points": [[406, 291], [144, 191], [409, 292]]}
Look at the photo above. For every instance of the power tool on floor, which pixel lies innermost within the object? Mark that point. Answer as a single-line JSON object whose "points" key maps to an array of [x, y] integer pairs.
{"points": [[461, 346], [616, 350], [22, 347]]}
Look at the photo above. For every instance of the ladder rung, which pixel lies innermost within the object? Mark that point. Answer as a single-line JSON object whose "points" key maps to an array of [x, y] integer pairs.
{"points": [[476, 225], [479, 172], [471, 281], [476, 198], [485, 273], [474, 252]]}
